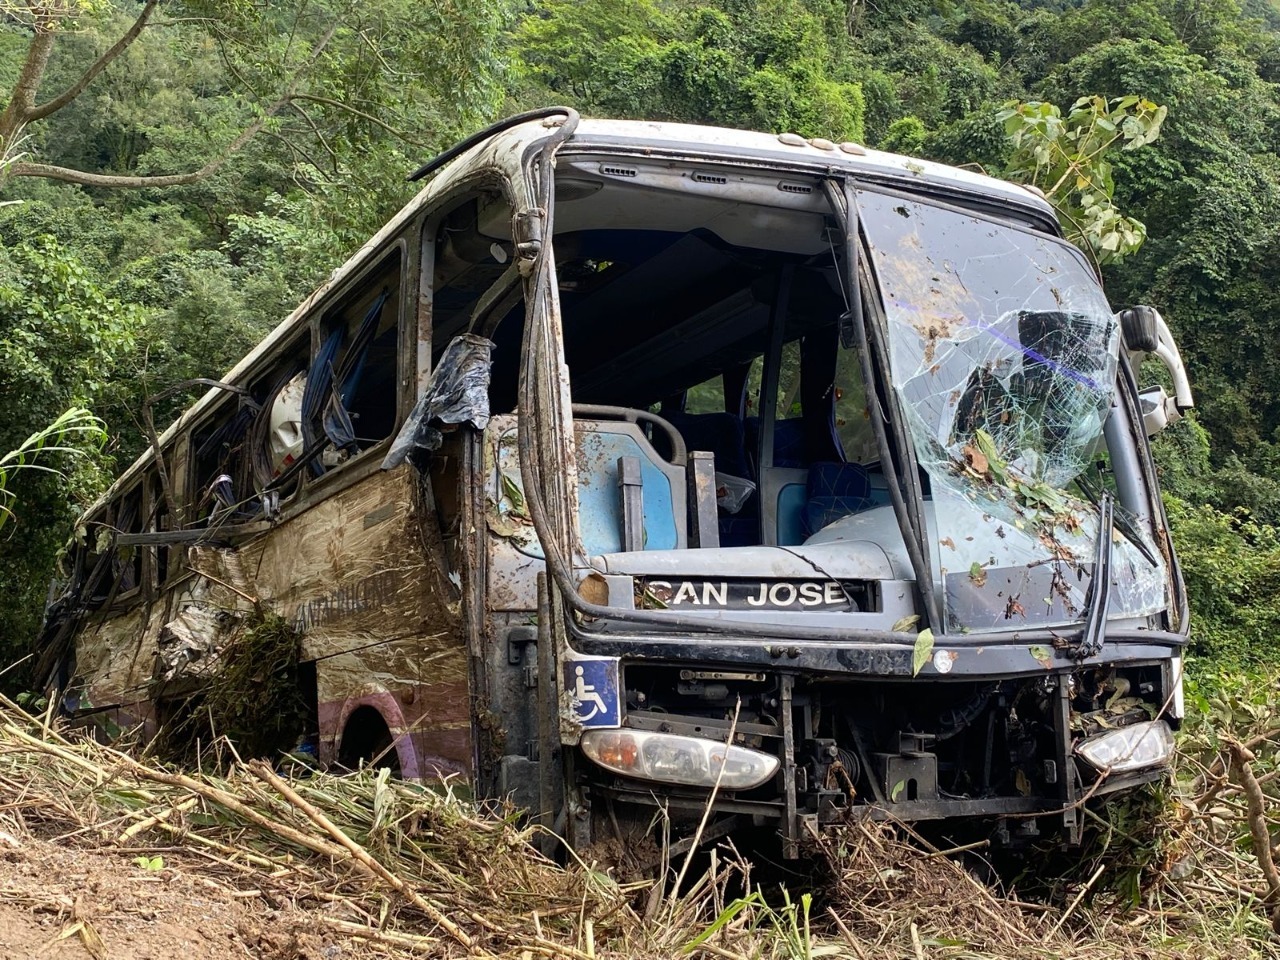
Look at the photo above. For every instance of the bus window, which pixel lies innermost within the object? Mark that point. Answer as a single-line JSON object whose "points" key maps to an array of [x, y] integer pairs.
{"points": [[706, 397], [95, 566], [127, 567], [278, 439], [475, 288], [160, 520], [853, 421], [221, 485], [356, 387]]}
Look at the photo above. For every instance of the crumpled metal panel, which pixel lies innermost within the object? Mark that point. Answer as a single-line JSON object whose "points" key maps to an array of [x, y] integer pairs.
{"points": [[1003, 351], [189, 645]]}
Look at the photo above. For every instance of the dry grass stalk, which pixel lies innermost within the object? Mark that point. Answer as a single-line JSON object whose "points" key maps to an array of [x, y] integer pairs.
{"points": [[263, 772], [397, 857]]}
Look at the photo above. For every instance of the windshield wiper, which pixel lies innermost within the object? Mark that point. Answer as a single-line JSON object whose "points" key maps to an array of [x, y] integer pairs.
{"points": [[1099, 602]]}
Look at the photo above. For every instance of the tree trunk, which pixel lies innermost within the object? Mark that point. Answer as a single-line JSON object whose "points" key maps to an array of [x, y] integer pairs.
{"points": [[22, 100]]}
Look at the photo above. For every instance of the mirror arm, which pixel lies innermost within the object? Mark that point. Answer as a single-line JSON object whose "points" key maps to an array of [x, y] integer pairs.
{"points": [[1167, 351]]}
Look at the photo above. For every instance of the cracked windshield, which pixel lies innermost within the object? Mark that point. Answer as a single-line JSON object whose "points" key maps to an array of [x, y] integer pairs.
{"points": [[1003, 351]]}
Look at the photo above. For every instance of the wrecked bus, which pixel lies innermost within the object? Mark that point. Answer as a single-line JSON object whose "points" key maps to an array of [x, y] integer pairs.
{"points": [[642, 466]]}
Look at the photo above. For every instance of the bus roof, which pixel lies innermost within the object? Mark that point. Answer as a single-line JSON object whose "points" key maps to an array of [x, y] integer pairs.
{"points": [[652, 138]]}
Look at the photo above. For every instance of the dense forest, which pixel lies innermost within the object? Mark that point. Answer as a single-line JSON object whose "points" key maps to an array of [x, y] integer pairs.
{"points": [[177, 175]]}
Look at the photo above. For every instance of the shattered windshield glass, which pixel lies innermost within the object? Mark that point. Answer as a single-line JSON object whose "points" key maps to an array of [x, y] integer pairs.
{"points": [[1003, 351]]}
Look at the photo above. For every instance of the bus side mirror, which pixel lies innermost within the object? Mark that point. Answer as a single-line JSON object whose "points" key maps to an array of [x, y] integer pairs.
{"points": [[1140, 327], [1145, 332]]}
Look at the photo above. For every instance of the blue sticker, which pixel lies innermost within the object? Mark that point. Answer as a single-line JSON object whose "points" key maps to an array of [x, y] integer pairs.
{"points": [[593, 684]]}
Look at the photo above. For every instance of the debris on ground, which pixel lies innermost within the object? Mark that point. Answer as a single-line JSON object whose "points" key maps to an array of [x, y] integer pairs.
{"points": [[103, 854]]}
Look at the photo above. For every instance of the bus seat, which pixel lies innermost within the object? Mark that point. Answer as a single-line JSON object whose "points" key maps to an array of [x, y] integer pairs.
{"points": [[600, 444], [789, 444], [719, 433], [836, 490], [723, 435]]}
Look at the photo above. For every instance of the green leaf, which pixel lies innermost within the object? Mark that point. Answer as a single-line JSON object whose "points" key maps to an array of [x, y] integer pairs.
{"points": [[977, 574], [922, 652], [726, 917], [512, 492], [896, 792]]}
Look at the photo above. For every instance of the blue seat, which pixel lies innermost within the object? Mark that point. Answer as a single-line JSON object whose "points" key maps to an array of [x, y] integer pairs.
{"points": [[836, 490], [789, 444], [718, 433], [722, 434]]}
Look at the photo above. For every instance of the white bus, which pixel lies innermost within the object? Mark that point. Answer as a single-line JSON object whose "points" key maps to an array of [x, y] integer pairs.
{"points": [[633, 463]]}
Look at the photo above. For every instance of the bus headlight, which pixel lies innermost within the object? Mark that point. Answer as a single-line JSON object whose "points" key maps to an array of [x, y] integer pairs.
{"points": [[1138, 745], [670, 758]]}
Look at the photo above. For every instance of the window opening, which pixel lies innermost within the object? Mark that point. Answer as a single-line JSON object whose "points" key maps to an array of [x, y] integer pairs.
{"points": [[279, 440], [95, 560], [160, 521], [853, 420], [349, 403], [222, 487], [127, 566], [706, 397]]}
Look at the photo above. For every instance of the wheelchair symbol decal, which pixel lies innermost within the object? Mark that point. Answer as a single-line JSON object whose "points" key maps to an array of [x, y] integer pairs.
{"points": [[593, 685]]}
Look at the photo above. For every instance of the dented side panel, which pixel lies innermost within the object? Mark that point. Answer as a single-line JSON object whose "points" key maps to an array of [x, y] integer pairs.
{"points": [[350, 575]]}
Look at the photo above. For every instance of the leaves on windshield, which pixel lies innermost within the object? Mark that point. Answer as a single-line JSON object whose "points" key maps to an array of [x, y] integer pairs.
{"points": [[1003, 352]]}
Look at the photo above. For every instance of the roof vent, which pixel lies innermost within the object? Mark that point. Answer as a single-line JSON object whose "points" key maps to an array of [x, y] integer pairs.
{"points": [[710, 178], [790, 186], [612, 171], [792, 140]]}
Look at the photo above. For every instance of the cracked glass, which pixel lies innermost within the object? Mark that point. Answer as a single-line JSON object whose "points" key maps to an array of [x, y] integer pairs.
{"points": [[1003, 351]]}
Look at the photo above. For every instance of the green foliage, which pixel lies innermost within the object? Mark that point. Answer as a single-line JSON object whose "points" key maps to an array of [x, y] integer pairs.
{"points": [[905, 135], [67, 435], [1069, 159], [760, 64], [60, 327], [1231, 564], [787, 922], [64, 341]]}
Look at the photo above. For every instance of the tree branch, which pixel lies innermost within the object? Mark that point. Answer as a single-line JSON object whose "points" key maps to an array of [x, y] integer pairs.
{"points": [[333, 156], [77, 88], [68, 175], [85, 179], [339, 105], [1261, 836]]}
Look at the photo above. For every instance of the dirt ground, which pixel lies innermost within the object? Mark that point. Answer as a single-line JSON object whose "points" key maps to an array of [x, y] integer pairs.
{"points": [[64, 903]]}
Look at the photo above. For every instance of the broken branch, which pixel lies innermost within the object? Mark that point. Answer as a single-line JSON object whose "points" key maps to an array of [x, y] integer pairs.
{"points": [[362, 856], [1261, 836]]}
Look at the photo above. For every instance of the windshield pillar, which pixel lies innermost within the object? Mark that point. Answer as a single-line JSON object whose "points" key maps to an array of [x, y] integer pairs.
{"points": [[905, 496]]}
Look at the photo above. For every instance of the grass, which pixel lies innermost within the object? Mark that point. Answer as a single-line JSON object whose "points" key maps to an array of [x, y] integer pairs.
{"points": [[1169, 873]]}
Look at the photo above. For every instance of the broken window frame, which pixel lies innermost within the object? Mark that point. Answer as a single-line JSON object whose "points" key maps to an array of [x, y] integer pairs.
{"points": [[317, 399], [202, 509], [266, 385], [160, 558]]}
